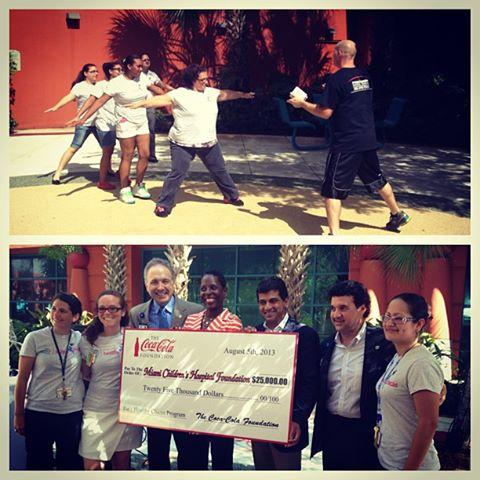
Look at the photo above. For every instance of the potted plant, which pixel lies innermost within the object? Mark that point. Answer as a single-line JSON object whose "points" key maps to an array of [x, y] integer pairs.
{"points": [[77, 255]]}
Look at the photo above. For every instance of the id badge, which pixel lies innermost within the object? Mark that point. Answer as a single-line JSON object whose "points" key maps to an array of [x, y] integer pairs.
{"points": [[64, 392], [377, 436], [90, 360]]}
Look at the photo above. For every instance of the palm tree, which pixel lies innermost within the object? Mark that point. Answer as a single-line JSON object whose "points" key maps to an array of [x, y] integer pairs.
{"points": [[115, 268], [292, 269], [180, 260]]}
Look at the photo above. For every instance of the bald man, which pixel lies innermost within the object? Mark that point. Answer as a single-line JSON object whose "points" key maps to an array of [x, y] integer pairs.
{"points": [[348, 105]]}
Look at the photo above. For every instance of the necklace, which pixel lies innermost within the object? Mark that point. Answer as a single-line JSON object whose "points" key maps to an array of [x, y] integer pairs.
{"points": [[206, 321]]}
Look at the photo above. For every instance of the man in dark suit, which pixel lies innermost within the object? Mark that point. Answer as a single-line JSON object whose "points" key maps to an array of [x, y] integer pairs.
{"points": [[272, 297], [351, 362], [164, 310]]}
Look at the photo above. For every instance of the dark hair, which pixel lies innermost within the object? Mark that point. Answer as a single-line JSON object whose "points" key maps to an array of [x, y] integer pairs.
{"points": [[218, 275], [81, 74], [129, 59], [417, 306], [73, 302], [273, 283], [107, 66], [190, 75], [95, 328], [351, 288], [145, 53]]}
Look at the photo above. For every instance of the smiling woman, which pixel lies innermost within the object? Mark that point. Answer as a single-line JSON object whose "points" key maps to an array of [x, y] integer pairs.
{"points": [[213, 291], [409, 390], [49, 390], [103, 438]]}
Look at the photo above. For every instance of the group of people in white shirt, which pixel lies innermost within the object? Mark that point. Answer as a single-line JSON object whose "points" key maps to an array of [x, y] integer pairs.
{"points": [[123, 107]]}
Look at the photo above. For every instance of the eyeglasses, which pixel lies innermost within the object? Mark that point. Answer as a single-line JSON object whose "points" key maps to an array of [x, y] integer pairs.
{"points": [[397, 320], [110, 309], [205, 79], [117, 69]]}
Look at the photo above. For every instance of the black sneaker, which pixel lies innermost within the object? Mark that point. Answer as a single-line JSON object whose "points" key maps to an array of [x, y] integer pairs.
{"points": [[396, 221], [153, 160]]}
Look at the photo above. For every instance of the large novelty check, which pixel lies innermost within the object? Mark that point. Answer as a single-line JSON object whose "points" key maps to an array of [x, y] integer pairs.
{"points": [[232, 384]]}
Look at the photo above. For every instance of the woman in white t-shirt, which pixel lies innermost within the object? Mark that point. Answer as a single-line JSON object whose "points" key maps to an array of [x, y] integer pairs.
{"points": [[131, 127], [193, 133], [49, 390], [103, 437], [105, 123], [409, 391], [82, 87]]}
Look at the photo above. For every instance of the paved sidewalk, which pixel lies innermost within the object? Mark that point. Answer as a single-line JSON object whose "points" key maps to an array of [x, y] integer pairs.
{"points": [[280, 187]]}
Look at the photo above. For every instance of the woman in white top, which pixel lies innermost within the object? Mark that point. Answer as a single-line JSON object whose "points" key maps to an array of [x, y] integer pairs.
{"points": [[193, 133], [103, 438], [49, 390], [105, 123], [131, 127], [82, 87], [409, 391]]}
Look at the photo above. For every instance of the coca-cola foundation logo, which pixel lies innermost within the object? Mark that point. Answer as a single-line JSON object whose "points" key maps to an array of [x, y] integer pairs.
{"points": [[164, 345]]}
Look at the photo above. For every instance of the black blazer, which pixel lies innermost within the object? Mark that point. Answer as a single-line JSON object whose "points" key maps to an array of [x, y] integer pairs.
{"points": [[306, 378], [378, 353]]}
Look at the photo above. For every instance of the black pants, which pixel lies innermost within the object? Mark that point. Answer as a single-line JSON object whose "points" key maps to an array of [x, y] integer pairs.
{"points": [[348, 445], [42, 430], [211, 157], [192, 450], [221, 451]]}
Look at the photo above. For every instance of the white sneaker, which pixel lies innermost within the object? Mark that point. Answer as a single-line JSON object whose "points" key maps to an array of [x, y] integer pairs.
{"points": [[126, 195], [141, 191]]}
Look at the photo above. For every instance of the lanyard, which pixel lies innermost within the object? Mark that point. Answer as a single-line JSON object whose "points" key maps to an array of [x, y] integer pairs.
{"points": [[63, 361], [390, 370]]}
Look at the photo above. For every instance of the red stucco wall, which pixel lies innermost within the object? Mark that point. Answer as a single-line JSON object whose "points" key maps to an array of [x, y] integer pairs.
{"points": [[52, 55]]}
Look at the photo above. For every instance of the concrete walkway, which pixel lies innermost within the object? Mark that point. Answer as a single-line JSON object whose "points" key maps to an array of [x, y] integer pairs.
{"points": [[279, 185]]}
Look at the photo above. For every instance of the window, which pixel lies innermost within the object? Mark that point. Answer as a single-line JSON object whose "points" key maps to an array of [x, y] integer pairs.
{"points": [[244, 266], [34, 280]]}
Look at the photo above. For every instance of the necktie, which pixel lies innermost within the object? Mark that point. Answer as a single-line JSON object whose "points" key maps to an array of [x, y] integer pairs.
{"points": [[163, 319]]}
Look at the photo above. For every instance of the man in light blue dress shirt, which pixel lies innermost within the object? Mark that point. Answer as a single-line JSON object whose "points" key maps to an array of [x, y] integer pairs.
{"points": [[164, 311]]}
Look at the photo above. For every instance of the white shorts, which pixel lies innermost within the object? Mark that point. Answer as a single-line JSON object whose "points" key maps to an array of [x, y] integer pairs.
{"points": [[127, 129]]}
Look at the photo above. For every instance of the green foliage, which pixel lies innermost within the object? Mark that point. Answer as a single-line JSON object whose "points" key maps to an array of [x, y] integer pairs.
{"points": [[21, 330], [59, 252], [430, 342], [406, 260]]}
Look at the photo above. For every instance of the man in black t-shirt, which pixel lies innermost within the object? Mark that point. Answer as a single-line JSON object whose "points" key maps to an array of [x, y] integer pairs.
{"points": [[348, 105]]}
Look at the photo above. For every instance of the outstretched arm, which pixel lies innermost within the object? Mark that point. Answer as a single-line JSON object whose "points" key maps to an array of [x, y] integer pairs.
{"points": [[90, 100], [317, 110], [99, 103], [164, 85], [234, 95], [63, 101], [154, 102]]}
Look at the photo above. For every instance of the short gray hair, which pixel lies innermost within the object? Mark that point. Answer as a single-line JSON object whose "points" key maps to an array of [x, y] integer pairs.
{"points": [[153, 263]]}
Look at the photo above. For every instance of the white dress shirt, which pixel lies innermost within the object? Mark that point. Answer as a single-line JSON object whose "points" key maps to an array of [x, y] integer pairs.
{"points": [[279, 327], [345, 376]]}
